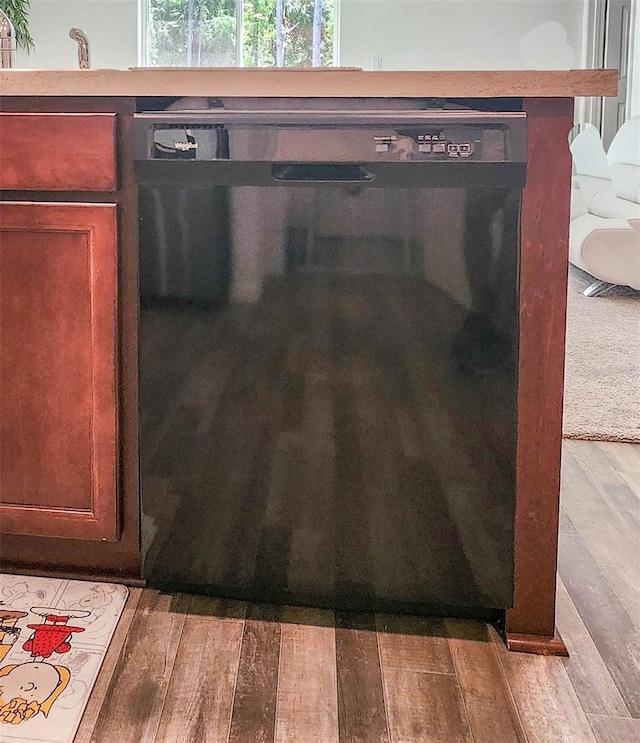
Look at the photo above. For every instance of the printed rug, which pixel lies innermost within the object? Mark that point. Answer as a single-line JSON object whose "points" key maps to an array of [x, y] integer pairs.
{"points": [[54, 635]]}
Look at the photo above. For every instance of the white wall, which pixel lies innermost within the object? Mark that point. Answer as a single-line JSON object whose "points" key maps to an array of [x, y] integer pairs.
{"points": [[461, 34], [110, 25], [405, 34], [634, 72]]}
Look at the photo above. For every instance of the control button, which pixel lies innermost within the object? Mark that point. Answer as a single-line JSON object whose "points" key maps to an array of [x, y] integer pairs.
{"points": [[425, 147], [465, 148], [439, 147], [383, 144]]}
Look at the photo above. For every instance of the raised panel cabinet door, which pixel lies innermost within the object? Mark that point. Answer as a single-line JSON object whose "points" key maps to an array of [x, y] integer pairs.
{"points": [[58, 370]]}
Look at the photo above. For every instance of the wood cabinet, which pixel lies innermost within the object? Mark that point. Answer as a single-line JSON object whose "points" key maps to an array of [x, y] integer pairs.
{"points": [[58, 151], [58, 370], [69, 499], [69, 469]]}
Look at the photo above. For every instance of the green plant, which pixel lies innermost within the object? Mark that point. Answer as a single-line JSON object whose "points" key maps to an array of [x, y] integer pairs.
{"points": [[18, 13]]}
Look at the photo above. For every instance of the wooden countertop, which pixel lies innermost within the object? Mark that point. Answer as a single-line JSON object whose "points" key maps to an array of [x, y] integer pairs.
{"points": [[316, 83]]}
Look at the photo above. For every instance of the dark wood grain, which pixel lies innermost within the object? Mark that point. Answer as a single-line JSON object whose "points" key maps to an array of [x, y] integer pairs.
{"points": [[200, 694], [361, 705], [98, 693], [545, 697], [254, 706], [615, 729], [605, 521], [425, 708], [619, 491], [422, 694], [134, 701], [307, 706], [547, 703], [59, 370], [490, 711], [614, 632], [543, 297], [58, 152], [587, 670], [413, 644]]}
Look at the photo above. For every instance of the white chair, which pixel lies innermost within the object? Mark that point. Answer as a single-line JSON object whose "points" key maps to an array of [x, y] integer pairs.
{"points": [[623, 159], [605, 222]]}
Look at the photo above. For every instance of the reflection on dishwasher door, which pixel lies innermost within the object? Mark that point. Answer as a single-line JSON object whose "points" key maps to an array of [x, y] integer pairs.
{"points": [[342, 431], [184, 245]]}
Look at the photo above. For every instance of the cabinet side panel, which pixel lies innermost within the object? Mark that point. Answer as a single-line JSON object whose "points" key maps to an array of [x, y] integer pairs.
{"points": [[543, 303]]}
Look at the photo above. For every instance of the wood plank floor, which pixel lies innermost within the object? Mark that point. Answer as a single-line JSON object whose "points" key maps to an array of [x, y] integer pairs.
{"points": [[202, 670]]}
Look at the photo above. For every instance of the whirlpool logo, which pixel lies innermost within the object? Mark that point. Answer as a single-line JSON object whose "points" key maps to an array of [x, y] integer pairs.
{"points": [[185, 146]]}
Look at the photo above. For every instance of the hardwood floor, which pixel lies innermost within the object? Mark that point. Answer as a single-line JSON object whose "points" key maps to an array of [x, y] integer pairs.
{"points": [[203, 670]]}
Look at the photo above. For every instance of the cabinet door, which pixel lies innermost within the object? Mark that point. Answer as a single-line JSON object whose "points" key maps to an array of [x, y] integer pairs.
{"points": [[58, 370]]}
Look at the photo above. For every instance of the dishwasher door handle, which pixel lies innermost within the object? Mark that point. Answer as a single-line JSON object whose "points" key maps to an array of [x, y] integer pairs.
{"points": [[321, 173]]}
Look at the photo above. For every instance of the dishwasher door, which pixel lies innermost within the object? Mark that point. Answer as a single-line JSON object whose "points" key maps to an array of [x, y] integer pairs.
{"points": [[184, 248], [343, 432]]}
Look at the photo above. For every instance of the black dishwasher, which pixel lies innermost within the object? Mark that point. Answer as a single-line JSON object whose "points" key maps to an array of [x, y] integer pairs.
{"points": [[328, 393]]}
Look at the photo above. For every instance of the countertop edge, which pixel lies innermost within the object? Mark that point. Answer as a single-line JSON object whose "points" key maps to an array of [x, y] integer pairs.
{"points": [[309, 83]]}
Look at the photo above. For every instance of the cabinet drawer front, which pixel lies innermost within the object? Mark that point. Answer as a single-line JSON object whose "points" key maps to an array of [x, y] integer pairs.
{"points": [[58, 370], [58, 152]]}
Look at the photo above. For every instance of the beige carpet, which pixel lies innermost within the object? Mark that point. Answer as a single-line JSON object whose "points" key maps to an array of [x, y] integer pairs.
{"points": [[602, 385]]}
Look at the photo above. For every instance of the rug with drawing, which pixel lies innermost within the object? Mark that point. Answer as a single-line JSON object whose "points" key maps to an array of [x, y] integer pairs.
{"points": [[54, 635]]}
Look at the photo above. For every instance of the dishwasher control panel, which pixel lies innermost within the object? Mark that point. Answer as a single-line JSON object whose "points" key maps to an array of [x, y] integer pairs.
{"points": [[456, 143], [438, 144], [322, 136]]}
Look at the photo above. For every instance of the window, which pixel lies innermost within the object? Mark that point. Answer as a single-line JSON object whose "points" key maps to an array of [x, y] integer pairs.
{"points": [[228, 33]]}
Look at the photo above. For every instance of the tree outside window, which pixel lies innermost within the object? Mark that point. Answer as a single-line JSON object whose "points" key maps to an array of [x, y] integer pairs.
{"points": [[253, 33]]}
